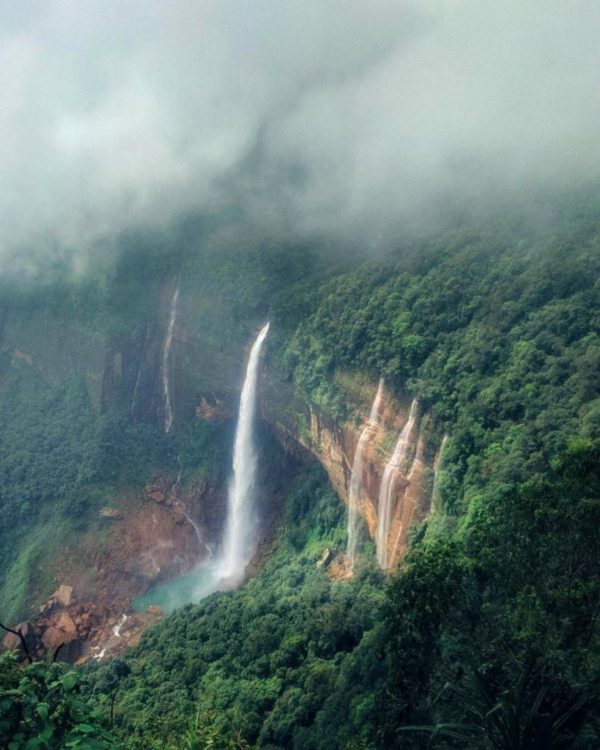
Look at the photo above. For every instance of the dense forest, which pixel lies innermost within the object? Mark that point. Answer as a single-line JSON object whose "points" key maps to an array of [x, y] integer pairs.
{"points": [[485, 637]]}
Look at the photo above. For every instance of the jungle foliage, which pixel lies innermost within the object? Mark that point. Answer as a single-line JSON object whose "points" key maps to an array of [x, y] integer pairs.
{"points": [[487, 637]]}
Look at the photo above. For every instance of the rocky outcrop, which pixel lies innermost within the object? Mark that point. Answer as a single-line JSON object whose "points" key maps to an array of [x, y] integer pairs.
{"points": [[334, 445], [75, 632]]}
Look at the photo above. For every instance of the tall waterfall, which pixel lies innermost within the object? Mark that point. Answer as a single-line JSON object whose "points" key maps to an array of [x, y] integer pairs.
{"points": [[356, 480], [393, 466], [164, 365], [241, 521]]}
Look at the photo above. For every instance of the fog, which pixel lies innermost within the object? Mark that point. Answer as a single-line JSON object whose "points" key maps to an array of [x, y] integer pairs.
{"points": [[344, 117]]}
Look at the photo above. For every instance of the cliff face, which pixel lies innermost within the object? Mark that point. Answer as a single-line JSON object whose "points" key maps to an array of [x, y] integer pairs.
{"points": [[334, 446], [203, 373]]}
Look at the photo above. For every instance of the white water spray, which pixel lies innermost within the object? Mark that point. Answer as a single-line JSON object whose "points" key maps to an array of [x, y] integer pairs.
{"points": [[238, 540], [356, 477], [164, 368], [393, 466], [119, 625]]}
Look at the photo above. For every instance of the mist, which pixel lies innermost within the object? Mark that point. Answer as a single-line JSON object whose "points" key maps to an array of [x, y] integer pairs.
{"points": [[344, 117]]}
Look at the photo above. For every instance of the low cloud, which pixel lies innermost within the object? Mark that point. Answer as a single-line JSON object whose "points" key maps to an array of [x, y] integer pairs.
{"points": [[344, 115]]}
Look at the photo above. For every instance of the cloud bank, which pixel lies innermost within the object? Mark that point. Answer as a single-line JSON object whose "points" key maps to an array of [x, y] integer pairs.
{"points": [[347, 115]]}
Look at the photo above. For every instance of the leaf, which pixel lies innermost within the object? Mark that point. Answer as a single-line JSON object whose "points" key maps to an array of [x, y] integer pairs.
{"points": [[84, 728], [42, 710], [69, 680]]}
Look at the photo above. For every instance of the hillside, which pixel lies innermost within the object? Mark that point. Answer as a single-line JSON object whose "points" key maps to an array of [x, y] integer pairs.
{"points": [[490, 328]]}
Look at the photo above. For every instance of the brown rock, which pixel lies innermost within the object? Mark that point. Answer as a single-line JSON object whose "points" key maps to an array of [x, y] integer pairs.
{"points": [[157, 495], [66, 624], [53, 637], [64, 595], [339, 569], [11, 642]]}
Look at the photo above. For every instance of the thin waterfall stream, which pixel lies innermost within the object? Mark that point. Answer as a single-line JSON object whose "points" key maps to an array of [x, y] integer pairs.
{"points": [[164, 368], [393, 466], [356, 477]]}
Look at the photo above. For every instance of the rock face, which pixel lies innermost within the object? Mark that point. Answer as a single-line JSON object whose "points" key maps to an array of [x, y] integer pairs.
{"points": [[334, 446]]}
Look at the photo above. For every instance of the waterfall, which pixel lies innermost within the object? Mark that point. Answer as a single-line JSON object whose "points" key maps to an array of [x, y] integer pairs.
{"points": [[241, 522], [139, 373], [393, 466], [194, 525], [356, 477], [119, 625], [164, 368]]}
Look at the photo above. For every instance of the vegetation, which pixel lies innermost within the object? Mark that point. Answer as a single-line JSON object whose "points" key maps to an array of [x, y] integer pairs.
{"points": [[487, 637], [41, 708], [285, 661]]}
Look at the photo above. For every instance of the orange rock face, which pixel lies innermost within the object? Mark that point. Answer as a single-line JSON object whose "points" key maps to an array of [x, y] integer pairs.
{"points": [[334, 446]]}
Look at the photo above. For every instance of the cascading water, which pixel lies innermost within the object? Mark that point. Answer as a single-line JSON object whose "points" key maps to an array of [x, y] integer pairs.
{"points": [[164, 367], [228, 568], [139, 373], [393, 466], [356, 480], [119, 625], [194, 525], [241, 522]]}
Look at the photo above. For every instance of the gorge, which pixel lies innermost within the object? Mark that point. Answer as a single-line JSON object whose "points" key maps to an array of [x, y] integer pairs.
{"points": [[317, 502]]}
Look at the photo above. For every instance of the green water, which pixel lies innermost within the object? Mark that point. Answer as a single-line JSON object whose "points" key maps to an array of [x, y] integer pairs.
{"points": [[191, 587]]}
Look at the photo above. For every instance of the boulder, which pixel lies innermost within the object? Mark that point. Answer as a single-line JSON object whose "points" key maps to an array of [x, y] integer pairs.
{"points": [[53, 637], [12, 642], [66, 624], [64, 595], [325, 558]]}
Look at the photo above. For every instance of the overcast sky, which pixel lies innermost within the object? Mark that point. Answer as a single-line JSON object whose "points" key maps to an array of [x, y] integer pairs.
{"points": [[354, 113]]}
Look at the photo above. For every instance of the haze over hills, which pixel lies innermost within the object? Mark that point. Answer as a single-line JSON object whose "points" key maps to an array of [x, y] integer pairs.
{"points": [[299, 394]]}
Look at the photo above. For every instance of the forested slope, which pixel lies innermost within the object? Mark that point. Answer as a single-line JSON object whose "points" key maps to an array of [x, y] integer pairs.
{"points": [[488, 634], [496, 331]]}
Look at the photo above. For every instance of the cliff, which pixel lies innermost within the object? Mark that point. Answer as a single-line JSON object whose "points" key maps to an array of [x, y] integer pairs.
{"points": [[299, 424]]}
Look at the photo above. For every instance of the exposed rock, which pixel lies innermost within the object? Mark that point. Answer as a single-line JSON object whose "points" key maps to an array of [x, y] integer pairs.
{"points": [[111, 514], [66, 624], [157, 495], [64, 595], [211, 410], [340, 568], [53, 637], [334, 446], [12, 642], [325, 558]]}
